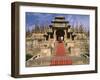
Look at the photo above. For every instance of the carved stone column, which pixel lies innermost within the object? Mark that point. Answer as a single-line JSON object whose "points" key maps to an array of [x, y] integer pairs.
{"points": [[65, 36], [54, 35], [49, 37], [45, 39], [70, 37]]}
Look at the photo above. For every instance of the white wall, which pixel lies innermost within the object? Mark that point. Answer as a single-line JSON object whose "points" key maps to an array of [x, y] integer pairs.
{"points": [[5, 43]]}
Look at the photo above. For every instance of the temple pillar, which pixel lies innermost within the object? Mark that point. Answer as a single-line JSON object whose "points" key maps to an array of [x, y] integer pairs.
{"points": [[70, 37], [65, 36], [45, 39], [54, 35], [49, 37]]}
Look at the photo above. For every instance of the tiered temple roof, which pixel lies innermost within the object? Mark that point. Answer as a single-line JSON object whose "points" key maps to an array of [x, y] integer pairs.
{"points": [[59, 19]]}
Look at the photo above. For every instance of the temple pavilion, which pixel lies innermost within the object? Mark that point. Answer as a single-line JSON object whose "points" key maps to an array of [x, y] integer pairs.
{"points": [[60, 28]]}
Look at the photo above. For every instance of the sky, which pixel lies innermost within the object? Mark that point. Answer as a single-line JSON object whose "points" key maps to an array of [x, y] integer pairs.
{"points": [[33, 19]]}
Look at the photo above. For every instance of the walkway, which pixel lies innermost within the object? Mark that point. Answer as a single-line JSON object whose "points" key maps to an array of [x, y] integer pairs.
{"points": [[60, 57]]}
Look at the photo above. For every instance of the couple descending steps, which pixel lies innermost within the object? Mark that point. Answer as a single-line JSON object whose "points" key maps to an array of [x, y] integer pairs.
{"points": [[60, 57]]}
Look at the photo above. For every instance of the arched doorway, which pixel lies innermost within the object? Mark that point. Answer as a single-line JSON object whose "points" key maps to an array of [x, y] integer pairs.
{"points": [[60, 33]]}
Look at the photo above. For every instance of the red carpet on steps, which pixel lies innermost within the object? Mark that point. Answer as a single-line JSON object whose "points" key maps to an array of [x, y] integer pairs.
{"points": [[60, 57], [60, 50]]}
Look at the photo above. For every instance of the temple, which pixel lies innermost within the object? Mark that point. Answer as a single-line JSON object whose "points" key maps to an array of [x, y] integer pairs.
{"points": [[60, 28], [76, 42]]}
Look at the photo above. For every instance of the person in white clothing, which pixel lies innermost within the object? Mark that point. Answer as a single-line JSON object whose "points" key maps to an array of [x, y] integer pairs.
{"points": [[61, 38]]}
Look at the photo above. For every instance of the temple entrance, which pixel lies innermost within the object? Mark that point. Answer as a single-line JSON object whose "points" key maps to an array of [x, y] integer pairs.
{"points": [[60, 34]]}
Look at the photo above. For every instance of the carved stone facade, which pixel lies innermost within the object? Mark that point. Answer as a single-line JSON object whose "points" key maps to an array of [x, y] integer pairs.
{"points": [[75, 43], [60, 28]]}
